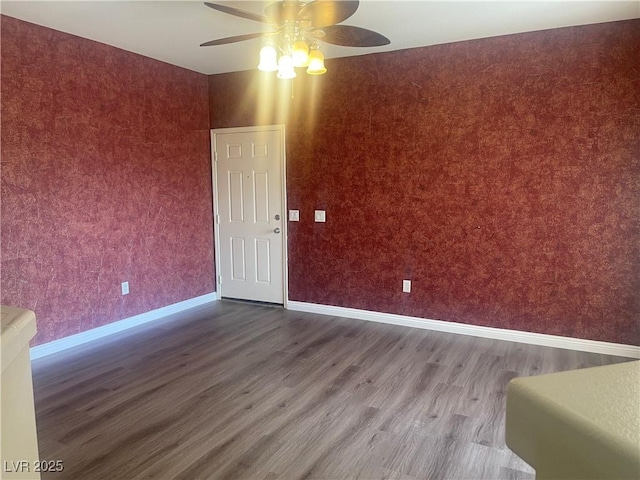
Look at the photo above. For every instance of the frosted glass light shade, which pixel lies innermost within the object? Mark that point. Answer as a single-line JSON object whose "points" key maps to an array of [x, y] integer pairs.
{"points": [[285, 67], [316, 63], [268, 59], [300, 54]]}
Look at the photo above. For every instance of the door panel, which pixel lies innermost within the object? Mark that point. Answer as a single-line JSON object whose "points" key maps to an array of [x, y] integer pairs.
{"points": [[235, 200], [249, 178], [263, 261], [238, 268], [261, 197]]}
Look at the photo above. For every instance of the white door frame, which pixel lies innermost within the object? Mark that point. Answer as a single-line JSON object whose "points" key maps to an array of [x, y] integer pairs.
{"points": [[216, 203]]}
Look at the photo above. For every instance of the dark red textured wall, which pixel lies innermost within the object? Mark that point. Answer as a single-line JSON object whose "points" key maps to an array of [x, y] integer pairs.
{"points": [[105, 179], [502, 176]]}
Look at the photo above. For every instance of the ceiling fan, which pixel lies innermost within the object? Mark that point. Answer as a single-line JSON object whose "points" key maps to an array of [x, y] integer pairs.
{"points": [[297, 29]]}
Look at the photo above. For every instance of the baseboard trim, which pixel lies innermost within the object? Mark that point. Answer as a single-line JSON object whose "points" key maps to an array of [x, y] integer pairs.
{"points": [[542, 339], [71, 341]]}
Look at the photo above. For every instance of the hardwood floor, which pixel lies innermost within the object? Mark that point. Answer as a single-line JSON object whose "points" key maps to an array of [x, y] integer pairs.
{"points": [[243, 391]]}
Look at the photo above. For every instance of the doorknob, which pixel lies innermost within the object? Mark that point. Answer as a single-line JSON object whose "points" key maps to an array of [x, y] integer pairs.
{"points": [[276, 230]]}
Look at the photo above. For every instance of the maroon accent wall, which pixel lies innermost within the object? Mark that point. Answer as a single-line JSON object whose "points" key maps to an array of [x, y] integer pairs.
{"points": [[105, 178], [502, 176]]}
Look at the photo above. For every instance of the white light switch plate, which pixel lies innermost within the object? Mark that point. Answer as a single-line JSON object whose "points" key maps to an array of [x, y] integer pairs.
{"points": [[294, 215], [320, 216], [125, 288], [406, 286]]}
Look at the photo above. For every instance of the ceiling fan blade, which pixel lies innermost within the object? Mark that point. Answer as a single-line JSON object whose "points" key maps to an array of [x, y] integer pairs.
{"points": [[238, 13], [280, 12], [349, 36], [323, 13], [237, 38]]}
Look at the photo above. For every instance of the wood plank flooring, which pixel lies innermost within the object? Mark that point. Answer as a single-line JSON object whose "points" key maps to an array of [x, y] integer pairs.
{"points": [[235, 391]]}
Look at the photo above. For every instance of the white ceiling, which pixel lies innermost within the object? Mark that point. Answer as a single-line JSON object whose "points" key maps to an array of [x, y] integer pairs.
{"points": [[172, 31]]}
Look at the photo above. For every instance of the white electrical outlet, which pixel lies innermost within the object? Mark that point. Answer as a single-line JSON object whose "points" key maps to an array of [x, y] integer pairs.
{"points": [[125, 288], [406, 286]]}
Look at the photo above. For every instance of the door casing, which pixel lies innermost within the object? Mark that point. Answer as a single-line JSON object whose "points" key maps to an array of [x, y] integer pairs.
{"points": [[280, 128]]}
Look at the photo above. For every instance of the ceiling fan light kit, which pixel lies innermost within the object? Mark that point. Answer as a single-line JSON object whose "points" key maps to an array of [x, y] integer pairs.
{"points": [[296, 55], [300, 53], [285, 67], [268, 58], [297, 28], [316, 63]]}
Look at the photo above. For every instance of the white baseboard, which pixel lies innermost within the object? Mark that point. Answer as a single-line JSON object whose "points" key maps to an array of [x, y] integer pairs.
{"points": [[569, 343], [630, 351], [71, 341]]}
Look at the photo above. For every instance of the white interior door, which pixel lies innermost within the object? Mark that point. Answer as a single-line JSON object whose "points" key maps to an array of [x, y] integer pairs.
{"points": [[249, 167]]}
